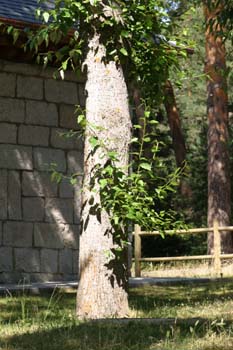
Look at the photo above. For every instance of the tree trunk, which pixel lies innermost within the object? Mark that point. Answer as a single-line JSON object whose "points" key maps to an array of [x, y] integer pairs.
{"points": [[102, 289], [219, 206], [173, 120], [175, 125], [178, 141], [175, 128]]}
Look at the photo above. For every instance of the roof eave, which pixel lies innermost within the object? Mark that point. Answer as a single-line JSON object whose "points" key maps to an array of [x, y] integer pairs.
{"points": [[19, 24]]}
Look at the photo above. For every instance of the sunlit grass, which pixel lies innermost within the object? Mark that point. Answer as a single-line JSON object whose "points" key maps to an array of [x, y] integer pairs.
{"points": [[185, 269], [212, 300], [48, 322]]}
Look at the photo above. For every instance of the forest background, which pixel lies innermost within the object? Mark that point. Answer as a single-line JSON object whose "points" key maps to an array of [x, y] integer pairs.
{"points": [[190, 96]]}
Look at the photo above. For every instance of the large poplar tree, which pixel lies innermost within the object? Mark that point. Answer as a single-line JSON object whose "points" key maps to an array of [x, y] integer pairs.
{"points": [[113, 41]]}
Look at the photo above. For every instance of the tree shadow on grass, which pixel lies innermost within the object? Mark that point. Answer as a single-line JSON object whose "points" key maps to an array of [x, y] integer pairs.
{"points": [[169, 297], [96, 336], [55, 328], [50, 305]]}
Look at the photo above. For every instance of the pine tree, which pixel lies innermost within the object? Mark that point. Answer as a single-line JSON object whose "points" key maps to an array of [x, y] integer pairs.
{"points": [[219, 198]]}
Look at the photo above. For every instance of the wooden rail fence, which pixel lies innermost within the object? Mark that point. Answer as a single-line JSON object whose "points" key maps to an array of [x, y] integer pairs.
{"points": [[215, 257]]}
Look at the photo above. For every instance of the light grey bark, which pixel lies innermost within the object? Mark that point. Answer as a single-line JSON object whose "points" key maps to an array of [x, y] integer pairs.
{"points": [[103, 279]]}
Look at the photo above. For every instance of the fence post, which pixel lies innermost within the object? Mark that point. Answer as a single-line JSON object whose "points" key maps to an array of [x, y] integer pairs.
{"points": [[217, 249], [137, 250], [130, 250]]}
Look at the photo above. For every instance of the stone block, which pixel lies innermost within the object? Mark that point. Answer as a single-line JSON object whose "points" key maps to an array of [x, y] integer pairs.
{"points": [[73, 76], [19, 278], [61, 91], [66, 261], [27, 260], [82, 95], [71, 236], [17, 234], [21, 68], [62, 138], [11, 110], [75, 261], [48, 235], [6, 259], [75, 162], [59, 210], [70, 278], [41, 113], [37, 184], [7, 277], [45, 277], [77, 204], [1, 233], [33, 209], [68, 119], [8, 133], [66, 190], [33, 135], [3, 194], [49, 260], [55, 236], [27, 278], [15, 157], [37, 70], [30, 87], [14, 196], [45, 158], [8, 84]]}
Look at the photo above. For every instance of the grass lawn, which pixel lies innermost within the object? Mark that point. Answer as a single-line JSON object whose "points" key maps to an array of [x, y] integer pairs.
{"points": [[185, 269], [48, 322]]}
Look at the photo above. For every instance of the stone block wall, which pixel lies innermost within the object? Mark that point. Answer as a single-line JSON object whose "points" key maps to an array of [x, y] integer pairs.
{"points": [[39, 219]]}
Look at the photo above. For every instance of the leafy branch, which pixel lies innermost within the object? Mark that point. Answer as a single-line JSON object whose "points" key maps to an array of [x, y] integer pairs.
{"points": [[133, 194]]}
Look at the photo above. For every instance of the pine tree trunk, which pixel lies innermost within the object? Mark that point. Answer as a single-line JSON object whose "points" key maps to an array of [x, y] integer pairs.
{"points": [[139, 108], [178, 141], [219, 206], [175, 125], [102, 289]]}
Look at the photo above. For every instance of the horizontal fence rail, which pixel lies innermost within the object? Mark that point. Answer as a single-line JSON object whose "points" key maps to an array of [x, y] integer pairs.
{"points": [[215, 257]]}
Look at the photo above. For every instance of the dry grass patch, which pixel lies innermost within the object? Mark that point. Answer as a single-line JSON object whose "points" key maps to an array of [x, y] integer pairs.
{"points": [[185, 269]]}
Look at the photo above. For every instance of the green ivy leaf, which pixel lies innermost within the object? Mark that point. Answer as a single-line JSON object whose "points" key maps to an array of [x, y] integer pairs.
{"points": [[124, 51], [73, 181], [46, 16], [125, 34], [64, 64], [103, 183], [145, 166], [94, 141]]}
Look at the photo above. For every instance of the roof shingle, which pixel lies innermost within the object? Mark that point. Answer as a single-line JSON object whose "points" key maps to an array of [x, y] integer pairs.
{"points": [[21, 10]]}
